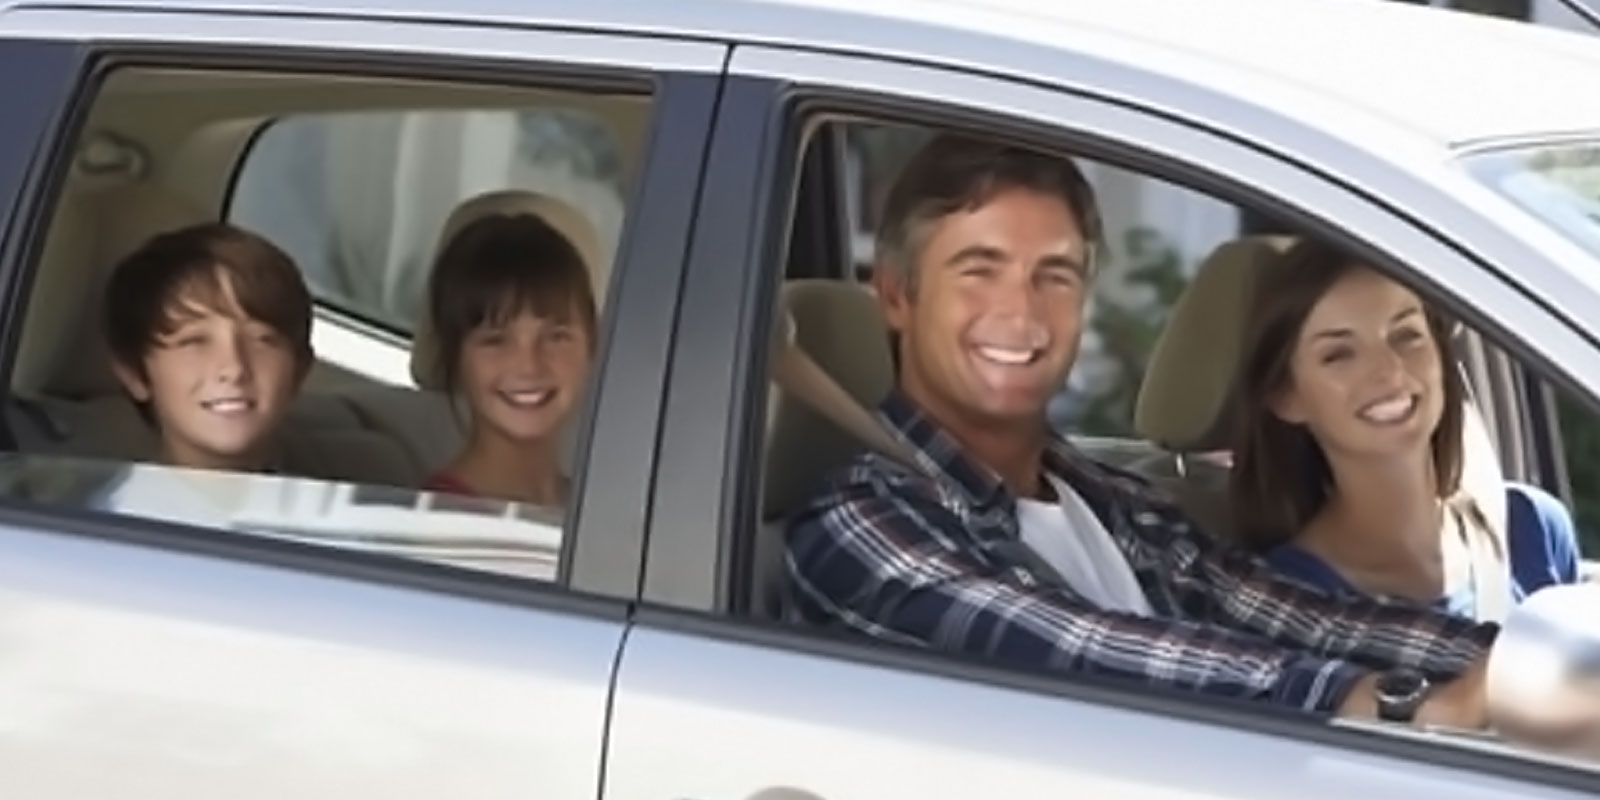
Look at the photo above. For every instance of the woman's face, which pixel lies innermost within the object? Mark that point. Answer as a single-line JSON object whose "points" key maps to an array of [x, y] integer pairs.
{"points": [[1365, 377]]}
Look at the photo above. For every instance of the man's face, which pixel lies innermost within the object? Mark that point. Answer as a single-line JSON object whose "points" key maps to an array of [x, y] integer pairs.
{"points": [[218, 384], [992, 327]]}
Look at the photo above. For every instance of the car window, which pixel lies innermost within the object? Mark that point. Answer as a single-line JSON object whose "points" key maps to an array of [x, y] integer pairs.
{"points": [[1156, 236], [470, 532], [344, 185], [1557, 183], [358, 197]]}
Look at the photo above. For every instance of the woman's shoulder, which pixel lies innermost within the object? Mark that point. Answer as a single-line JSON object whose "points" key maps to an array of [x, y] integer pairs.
{"points": [[1540, 535]]}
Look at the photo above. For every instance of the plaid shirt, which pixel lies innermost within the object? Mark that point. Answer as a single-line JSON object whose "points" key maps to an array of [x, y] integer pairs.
{"points": [[938, 562]]}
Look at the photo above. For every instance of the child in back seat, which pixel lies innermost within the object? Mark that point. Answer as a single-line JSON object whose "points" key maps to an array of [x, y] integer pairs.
{"points": [[515, 315], [209, 329]]}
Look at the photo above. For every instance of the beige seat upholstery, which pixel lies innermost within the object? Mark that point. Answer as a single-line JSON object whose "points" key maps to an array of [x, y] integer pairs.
{"points": [[839, 327], [1188, 383], [1184, 402], [1187, 386]]}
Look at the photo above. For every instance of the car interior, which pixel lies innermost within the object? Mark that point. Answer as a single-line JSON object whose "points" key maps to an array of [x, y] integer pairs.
{"points": [[161, 149], [1181, 416]]}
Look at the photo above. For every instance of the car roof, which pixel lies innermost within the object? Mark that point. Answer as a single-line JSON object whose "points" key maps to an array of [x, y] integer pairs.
{"points": [[1450, 77]]}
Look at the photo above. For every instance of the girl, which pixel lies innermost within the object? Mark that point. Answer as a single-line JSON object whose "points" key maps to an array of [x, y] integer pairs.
{"points": [[515, 315]]}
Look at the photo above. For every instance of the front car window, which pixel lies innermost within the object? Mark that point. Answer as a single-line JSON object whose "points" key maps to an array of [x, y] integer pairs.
{"points": [[1558, 183]]}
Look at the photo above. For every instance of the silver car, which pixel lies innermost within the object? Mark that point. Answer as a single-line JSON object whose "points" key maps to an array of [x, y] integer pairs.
{"points": [[328, 632]]}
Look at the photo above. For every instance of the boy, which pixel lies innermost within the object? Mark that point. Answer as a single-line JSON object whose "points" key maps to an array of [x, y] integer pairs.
{"points": [[209, 329]]}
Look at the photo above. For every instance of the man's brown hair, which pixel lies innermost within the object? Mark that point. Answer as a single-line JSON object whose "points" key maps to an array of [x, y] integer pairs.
{"points": [[954, 172]]}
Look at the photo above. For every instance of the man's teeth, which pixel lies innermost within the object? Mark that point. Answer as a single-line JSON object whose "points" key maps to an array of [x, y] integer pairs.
{"points": [[1007, 356], [1390, 410]]}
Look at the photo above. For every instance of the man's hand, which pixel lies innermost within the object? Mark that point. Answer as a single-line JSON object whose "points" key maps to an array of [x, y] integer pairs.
{"points": [[1461, 703]]}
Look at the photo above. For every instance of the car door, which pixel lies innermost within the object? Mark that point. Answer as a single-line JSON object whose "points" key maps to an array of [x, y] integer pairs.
{"points": [[715, 699], [145, 656]]}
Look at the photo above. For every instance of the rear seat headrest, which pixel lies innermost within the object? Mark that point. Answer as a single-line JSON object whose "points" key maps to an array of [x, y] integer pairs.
{"points": [[1183, 400], [426, 369]]}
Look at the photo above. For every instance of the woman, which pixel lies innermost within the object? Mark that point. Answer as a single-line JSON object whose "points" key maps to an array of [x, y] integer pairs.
{"points": [[1348, 458]]}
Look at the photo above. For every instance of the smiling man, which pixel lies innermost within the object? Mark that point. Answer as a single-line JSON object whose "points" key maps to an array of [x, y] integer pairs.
{"points": [[1009, 544]]}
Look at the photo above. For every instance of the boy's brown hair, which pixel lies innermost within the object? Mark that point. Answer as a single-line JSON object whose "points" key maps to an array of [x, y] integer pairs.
{"points": [[145, 295]]}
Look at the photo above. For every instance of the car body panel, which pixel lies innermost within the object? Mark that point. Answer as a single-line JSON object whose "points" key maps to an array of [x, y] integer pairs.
{"points": [[138, 672], [833, 728], [1306, 56], [144, 661]]}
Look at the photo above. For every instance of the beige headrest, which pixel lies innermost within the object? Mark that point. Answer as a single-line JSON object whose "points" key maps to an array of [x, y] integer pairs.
{"points": [[834, 371], [63, 352], [1187, 385], [569, 221]]}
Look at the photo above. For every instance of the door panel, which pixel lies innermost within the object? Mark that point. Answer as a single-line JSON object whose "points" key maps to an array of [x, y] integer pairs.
{"points": [[719, 709], [720, 720], [138, 673], [142, 661]]}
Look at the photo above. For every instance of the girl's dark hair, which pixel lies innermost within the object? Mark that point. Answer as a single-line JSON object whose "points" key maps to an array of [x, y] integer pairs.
{"points": [[1281, 479], [498, 266]]}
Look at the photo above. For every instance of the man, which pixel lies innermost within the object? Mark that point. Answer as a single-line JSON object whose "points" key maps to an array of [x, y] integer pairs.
{"points": [[1009, 544]]}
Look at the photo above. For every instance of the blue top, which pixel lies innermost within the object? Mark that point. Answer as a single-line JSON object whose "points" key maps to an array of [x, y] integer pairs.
{"points": [[1540, 537]]}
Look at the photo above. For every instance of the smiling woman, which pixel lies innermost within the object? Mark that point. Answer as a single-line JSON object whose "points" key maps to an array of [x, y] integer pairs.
{"points": [[1348, 452]]}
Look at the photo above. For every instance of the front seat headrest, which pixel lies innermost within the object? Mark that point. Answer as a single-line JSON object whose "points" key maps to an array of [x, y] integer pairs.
{"points": [[835, 331], [426, 368], [1188, 384]]}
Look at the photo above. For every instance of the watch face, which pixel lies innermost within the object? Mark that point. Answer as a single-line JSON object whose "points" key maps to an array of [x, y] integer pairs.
{"points": [[1399, 693], [1401, 684]]}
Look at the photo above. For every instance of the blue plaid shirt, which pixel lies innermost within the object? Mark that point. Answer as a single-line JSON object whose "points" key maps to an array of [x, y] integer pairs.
{"points": [[937, 561]]}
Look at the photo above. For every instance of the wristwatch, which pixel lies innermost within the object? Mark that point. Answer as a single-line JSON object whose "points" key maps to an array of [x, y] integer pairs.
{"points": [[1400, 693]]}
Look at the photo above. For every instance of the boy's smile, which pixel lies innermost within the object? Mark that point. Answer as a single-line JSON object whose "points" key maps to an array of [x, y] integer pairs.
{"points": [[218, 383]]}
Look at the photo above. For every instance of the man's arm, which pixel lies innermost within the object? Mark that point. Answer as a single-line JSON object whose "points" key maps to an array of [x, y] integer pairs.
{"points": [[1374, 634], [885, 560]]}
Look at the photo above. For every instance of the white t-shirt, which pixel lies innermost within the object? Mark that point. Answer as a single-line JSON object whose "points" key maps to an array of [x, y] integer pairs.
{"points": [[1070, 538]]}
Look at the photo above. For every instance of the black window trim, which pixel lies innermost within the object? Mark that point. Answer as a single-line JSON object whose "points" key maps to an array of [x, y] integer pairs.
{"points": [[681, 112]]}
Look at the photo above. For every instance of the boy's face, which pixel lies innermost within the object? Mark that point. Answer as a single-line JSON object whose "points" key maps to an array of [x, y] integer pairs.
{"points": [[217, 383], [523, 377]]}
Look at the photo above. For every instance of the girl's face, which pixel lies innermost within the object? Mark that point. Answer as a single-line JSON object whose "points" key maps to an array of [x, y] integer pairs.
{"points": [[523, 376], [1366, 377]]}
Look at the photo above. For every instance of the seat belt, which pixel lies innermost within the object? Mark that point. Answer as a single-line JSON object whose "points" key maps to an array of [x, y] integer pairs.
{"points": [[796, 373]]}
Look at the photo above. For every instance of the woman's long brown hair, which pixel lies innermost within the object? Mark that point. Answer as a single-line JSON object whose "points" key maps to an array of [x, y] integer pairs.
{"points": [[1281, 479]]}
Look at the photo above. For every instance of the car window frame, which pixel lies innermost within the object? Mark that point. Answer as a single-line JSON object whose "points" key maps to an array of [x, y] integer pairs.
{"points": [[601, 550], [711, 443]]}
